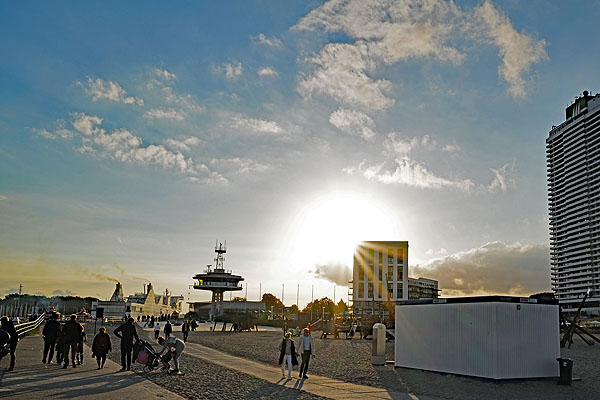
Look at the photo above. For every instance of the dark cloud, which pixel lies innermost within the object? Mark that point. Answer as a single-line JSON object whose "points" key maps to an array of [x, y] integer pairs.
{"points": [[338, 273], [494, 268]]}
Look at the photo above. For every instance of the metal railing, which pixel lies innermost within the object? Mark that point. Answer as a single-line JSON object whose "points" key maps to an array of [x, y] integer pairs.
{"points": [[26, 327]]}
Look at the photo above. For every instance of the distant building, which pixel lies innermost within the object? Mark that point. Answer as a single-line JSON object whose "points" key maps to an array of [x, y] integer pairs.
{"points": [[573, 166], [149, 303], [203, 308], [139, 304], [379, 274], [380, 277], [113, 309], [422, 288]]}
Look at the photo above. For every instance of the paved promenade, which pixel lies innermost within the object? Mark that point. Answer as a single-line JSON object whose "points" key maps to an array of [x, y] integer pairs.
{"points": [[322, 386], [33, 380]]}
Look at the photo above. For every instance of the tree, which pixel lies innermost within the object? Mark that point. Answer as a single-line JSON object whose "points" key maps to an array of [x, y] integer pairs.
{"points": [[317, 306], [271, 301], [237, 298], [341, 307]]}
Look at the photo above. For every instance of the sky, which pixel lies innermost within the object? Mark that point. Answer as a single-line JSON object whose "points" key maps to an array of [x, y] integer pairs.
{"points": [[135, 135]]}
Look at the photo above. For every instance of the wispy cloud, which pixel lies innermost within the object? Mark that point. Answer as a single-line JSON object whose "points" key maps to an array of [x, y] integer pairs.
{"points": [[501, 179], [494, 268], [125, 146], [231, 71], [353, 122], [99, 89], [256, 125], [265, 40], [387, 32], [183, 145], [518, 51], [165, 113], [451, 148], [267, 71], [395, 143], [3, 197], [164, 75], [342, 72], [406, 171]]}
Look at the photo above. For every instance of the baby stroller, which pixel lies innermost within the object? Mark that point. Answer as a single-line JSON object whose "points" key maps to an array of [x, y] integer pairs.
{"points": [[144, 353]]}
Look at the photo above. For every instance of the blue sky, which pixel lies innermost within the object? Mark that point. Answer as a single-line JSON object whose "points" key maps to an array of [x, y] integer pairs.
{"points": [[132, 136]]}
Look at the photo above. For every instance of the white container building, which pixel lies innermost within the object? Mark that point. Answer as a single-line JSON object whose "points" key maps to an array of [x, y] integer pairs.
{"points": [[493, 337]]}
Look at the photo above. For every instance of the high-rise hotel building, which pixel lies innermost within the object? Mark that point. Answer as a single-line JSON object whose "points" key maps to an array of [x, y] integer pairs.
{"points": [[573, 160], [380, 275]]}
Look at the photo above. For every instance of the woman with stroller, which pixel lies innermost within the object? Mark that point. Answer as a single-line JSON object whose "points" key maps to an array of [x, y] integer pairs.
{"points": [[174, 347], [7, 325], [101, 346]]}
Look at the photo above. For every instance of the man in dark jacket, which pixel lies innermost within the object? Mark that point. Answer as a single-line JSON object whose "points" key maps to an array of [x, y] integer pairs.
{"points": [[50, 335], [7, 325], [168, 329], [126, 333], [71, 334]]}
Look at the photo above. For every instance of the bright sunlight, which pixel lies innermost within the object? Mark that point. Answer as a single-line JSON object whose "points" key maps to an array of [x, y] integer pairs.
{"points": [[328, 229]]}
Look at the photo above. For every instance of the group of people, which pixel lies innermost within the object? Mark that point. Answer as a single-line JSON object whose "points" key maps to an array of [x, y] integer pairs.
{"points": [[65, 339], [289, 356]]}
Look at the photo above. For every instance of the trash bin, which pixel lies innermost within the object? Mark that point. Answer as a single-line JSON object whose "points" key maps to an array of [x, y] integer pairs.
{"points": [[566, 371]]}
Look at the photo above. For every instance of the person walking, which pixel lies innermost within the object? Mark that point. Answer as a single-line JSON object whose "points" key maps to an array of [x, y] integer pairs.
{"points": [[7, 325], [185, 328], [168, 329], [71, 334], [287, 353], [82, 339], [176, 347], [306, 347], [156, 330], [126, 333], [101, 346], [50, 335]]}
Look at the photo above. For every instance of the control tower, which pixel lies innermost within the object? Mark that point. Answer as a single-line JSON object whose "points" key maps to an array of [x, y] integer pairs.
{"points": [[218, 281]]}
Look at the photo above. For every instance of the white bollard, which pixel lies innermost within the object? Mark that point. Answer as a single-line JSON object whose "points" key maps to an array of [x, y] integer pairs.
{"points": [[378, 354]]}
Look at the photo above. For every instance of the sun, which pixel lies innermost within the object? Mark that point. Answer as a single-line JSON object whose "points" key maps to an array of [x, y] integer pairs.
{"points": [[328, 229]]}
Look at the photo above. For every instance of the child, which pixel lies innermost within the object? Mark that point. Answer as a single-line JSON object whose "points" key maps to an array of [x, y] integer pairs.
{"points": [[82, 339]]}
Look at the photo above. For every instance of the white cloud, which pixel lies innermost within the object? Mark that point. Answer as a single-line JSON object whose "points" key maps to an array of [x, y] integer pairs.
{"points": [[267, 71], [385, 32], [338, 273], [100, 89], [185, 101], [231, 71], [183, 145], [85, 124], [268, 41], [517, 50], [256, 125], [451, 148], [164, 75], [165, 113], [353, 122], [409, 172], [494, 268], [501, 182], [396, 144], [342, 73], [44, 133], [238, 165]]}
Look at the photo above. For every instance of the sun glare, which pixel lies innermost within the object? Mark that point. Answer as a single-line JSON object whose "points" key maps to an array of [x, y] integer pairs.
{"points": [[329, 228]]}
